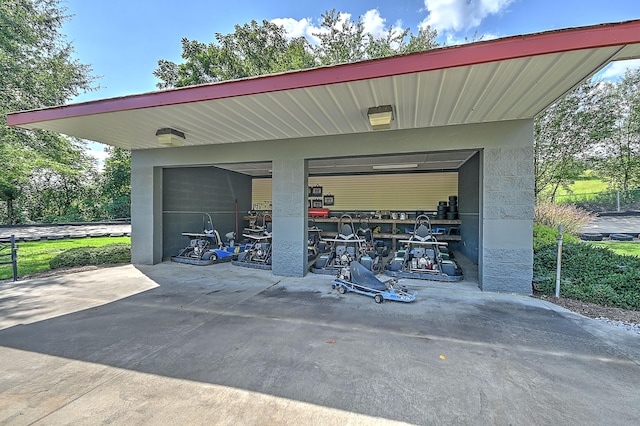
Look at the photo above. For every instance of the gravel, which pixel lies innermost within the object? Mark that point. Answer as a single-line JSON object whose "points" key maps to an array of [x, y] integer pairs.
{"points": [[624, 325], [621, 318]]}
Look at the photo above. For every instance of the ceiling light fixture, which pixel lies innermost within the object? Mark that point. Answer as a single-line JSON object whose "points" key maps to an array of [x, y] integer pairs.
{"points": [[394, 166], [170, 137], [380, 117]]}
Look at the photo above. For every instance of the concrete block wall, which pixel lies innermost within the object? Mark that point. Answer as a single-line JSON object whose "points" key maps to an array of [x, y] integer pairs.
{"points": [[289, 192], [505, 200], [507, 211], [146, 214]]}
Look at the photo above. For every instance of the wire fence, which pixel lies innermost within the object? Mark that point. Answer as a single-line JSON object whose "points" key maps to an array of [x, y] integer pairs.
{"points": [[607, 201]]}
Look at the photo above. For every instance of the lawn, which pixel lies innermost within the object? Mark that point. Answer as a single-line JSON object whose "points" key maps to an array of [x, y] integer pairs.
{"points": [[586, 186], [35, 256], [582, 188], [631, 248]]}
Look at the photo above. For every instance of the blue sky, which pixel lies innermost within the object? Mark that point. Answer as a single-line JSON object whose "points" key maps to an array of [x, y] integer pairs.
{"points": [[124, 39]]}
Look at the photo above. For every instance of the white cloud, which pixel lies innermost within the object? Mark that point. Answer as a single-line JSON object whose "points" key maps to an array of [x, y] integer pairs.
{"points": [[298, 28], [305, 28], [460, 15], [616, 70], [372, 21]]}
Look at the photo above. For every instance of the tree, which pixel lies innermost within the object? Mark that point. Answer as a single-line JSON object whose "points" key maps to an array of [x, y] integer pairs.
{"points": [[115, 184], [565, 134], [343, 41], [252, 50], [258, 49], [619, 153], [36, 70]]}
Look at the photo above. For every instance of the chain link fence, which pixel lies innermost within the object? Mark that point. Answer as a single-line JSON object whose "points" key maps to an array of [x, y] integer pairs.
{"points": [[607, 201]]}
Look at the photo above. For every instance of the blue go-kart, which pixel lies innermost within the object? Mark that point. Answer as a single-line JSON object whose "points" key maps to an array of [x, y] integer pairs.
{"points": [[359, 279]]}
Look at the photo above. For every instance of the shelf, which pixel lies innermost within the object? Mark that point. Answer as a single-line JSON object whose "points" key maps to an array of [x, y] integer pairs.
{"points": [[388, 221], [439, 237], [372, 221], [435, 223]]}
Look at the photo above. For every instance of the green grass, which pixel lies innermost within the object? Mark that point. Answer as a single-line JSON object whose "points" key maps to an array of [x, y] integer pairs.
{"points": [[35, 256], [629, 248], [587, 186]]}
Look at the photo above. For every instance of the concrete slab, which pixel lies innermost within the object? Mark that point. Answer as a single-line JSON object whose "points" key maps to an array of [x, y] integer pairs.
{"points": [[174, 343]]}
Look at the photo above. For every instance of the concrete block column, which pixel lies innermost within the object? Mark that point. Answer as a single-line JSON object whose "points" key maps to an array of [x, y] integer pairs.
{"points": [[508, 210], [289, 197], [146, 214]]}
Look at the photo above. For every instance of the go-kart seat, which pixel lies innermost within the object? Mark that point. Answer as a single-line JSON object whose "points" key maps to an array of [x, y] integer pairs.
{"points": [[346, 233], [364, 277], [365, 233], [422, 232]]}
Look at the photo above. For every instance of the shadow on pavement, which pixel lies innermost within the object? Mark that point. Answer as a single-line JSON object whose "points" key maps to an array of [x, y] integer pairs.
{"points": [[451, 357]]}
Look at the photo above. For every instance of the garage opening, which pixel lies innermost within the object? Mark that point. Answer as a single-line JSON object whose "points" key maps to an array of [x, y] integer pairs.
{"points": [[388, 192]]}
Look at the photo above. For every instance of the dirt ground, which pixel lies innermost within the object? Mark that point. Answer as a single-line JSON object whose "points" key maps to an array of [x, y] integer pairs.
{"points": [[593, 310]]}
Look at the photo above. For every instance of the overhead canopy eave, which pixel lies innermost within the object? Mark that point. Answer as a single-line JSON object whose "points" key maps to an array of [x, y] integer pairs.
{"points": [[503, 79]]}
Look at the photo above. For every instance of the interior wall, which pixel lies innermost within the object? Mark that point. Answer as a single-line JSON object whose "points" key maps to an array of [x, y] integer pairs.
{"points": [[392, 191], [188, 192], [469, 207]]}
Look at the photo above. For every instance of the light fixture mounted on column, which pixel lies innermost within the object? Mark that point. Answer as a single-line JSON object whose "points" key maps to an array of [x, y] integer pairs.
{"points": [[380, 117], [170, 137]]}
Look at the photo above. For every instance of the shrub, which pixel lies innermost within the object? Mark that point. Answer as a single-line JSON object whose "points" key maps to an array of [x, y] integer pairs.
{"points": [[572, 217], [81, 256], [589, 273], [544, 235]]}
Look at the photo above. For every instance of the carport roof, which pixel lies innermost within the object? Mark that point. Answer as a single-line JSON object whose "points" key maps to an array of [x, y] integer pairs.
{"points": [[503, 79]]}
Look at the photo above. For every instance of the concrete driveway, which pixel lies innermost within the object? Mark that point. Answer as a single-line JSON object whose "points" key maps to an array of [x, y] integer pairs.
{"points": [[177, 344]]}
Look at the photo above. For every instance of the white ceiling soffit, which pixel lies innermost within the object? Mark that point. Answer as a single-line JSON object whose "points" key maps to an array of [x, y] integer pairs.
{"points": [[496, 91], [423, 161]]}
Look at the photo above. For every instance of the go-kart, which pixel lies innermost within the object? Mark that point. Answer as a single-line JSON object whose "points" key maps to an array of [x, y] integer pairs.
{"points": [[258, 252], [370, 252], [206, 248], [313, 240], [345, 248], [359, 279], [421, 257]]}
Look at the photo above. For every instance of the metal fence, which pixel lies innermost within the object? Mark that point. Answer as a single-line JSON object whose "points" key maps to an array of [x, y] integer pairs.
{"points": [[607, 201], [10, 250]]}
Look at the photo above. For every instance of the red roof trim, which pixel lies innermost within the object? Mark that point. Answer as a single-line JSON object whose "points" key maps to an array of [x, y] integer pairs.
{"points": [[490, 51]]}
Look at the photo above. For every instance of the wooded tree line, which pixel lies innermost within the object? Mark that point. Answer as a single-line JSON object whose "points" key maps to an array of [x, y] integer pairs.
{"points": [[47, 177], [596, 127]]}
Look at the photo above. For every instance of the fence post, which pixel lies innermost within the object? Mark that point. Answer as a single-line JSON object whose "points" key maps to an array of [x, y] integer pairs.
{"points": [[618, 199], [14, 258], [559, 264]]}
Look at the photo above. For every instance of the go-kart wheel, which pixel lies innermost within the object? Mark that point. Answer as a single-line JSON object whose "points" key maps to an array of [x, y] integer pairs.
{"points": [[342, 289], [333, 286], [378, 298]]}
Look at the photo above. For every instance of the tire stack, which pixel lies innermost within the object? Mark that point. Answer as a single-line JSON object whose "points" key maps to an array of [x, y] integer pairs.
{"points": [[442, 210], [452, 210]]}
